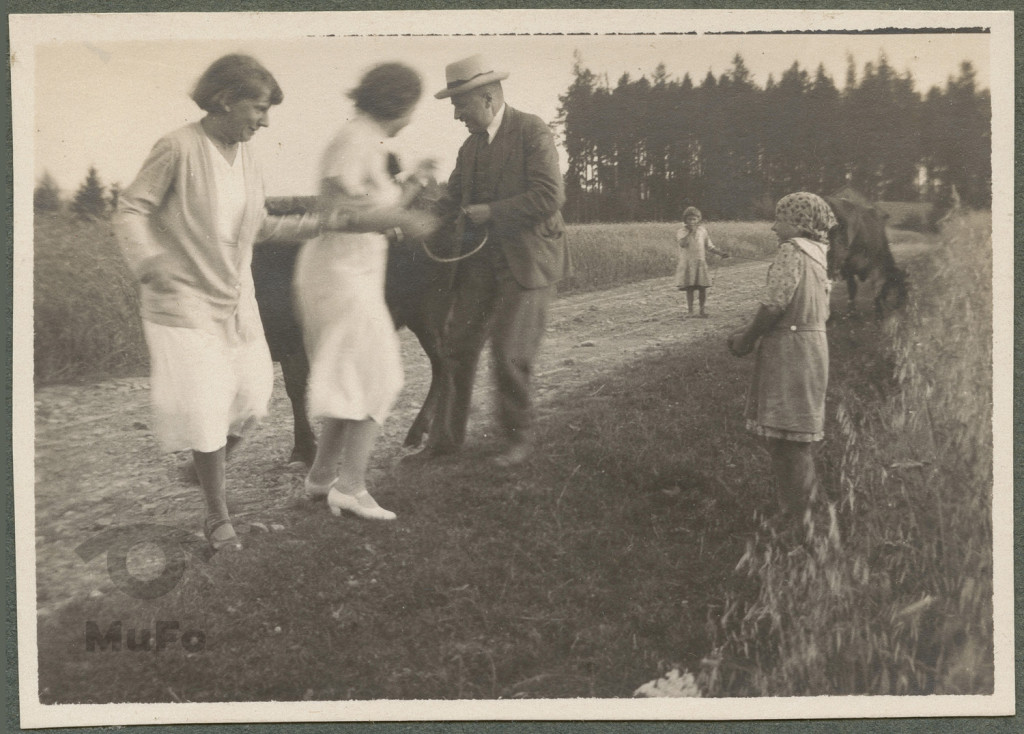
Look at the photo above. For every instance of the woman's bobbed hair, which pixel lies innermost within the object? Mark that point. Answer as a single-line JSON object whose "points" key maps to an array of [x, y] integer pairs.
{"points": [[234, 77], [388, 91]]}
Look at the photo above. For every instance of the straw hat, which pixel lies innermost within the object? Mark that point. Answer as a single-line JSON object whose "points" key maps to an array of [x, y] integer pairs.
{"points": [[467, 74]]}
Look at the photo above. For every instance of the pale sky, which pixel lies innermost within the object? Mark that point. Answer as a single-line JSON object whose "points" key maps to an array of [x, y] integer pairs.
{"points": [[105, 102]]}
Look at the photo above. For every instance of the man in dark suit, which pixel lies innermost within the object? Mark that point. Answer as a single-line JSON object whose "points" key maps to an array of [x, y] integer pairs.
{"points": [[507, 182]]}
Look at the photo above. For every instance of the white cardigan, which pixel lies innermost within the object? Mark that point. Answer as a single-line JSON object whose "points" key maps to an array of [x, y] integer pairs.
{"points": [[166, 218]]}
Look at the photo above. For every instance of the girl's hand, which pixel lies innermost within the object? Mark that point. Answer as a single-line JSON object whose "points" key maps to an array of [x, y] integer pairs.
{"points": [[738, 343]]}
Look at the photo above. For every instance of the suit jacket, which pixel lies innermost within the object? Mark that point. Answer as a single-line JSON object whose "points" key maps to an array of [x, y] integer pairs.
{"points": [[526, 218]]}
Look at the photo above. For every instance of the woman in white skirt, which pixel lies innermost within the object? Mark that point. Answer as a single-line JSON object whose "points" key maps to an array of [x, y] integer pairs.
{"points": [[355, 363], [186, 227]]}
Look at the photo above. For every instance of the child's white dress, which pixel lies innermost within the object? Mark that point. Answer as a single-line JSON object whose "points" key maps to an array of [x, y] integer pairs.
{"points": [[692, 270]]}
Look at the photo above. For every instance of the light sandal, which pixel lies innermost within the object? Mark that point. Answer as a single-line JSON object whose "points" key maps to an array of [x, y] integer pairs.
{"points": [[231, 543]]}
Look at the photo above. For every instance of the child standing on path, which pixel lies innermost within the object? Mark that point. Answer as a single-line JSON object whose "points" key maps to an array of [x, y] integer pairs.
{"points": [[786, 400], [692, 270]]}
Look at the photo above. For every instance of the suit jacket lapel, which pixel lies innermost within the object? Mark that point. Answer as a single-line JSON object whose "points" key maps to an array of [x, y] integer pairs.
{"points": [[469, 171], [502, 145]]}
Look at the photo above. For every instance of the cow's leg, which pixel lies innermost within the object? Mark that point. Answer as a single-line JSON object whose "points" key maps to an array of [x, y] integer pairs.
{"points": [[463, 364], [895, 280], [883, 291], [851, 292], [295, 368], [425, 418]]}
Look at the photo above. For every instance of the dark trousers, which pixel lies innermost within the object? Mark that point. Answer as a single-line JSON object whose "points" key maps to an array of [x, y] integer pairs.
{"points": [[489, 302]]}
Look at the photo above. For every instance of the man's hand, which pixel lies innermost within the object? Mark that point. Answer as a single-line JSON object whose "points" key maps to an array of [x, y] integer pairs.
{"points": [[477, 213]]}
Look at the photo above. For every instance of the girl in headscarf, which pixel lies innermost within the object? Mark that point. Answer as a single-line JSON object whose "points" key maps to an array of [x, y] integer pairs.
{"points": [[786, 400], [692, 269]]}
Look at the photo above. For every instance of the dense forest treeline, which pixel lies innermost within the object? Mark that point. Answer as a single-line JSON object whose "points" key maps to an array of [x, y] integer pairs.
{"points": [[646, 148]]}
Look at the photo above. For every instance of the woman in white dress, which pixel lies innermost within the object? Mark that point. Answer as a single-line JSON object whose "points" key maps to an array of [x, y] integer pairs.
{"points": [[355, 362], [186, 227]]}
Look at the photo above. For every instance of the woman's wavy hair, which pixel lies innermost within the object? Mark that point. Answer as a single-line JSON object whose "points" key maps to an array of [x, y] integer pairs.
{"points": [[388, 91], [234, 77]]}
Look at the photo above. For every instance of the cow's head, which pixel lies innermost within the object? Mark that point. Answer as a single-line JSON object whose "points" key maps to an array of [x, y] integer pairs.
{"points": [[838, 236]]}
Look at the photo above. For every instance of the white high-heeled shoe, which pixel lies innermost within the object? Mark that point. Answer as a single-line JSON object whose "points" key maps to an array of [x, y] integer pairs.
{"points": [[338, 501]]}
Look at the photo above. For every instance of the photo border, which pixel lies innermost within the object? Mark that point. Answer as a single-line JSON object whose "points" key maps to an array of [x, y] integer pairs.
{"points": [[904, 723]]}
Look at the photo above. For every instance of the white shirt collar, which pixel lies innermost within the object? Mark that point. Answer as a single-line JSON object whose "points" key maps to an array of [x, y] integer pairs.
{"points": [[492, 129]]}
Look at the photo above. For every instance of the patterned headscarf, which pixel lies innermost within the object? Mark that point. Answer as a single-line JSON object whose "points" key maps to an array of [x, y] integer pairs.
{"points": [[808, 213]]}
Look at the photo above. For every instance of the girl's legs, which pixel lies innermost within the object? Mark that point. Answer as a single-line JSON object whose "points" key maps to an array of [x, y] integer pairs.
{"points": [[703, 294], [360, 439], [328, 454], [209, 467], [796, 479], [689, 299], [344, 453], [231, 445]]}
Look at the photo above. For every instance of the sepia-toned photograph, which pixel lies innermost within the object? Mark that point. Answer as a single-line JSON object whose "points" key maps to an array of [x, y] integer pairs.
{"points": [[504, 365]]}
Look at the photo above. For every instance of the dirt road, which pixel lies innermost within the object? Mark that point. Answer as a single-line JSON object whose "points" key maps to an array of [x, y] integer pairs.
{"points": [[97, 465]]}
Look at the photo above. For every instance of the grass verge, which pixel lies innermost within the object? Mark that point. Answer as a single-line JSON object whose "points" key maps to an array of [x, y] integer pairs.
{"points": [[892, 592]]}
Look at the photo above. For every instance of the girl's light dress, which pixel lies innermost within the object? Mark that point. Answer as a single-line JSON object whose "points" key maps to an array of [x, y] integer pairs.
{"points": [[354, 355], [692, 269], [787, 393]]}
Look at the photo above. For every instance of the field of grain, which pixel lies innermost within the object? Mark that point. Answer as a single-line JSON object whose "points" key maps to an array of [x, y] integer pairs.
{"points": [[911, 215]]}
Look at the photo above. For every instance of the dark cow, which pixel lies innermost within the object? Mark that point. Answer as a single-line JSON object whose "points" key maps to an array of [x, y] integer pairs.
{"points": [[859, 247], [418, 293]]}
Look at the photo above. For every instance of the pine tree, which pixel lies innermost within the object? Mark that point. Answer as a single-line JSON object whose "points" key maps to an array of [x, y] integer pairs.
{"points": [[114, 197], [46, 197], [576, 118], [90, 201]]}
